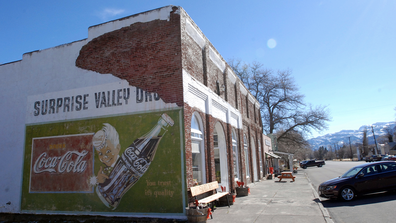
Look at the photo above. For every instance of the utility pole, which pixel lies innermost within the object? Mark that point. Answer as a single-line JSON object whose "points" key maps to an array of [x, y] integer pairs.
{"points": [[350, 148], [372, 129]]}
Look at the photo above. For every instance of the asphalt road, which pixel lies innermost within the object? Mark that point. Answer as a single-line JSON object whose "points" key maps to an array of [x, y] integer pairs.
{"points": [[377, 207]]}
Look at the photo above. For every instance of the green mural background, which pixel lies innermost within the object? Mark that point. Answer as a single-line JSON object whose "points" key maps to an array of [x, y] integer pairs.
{"points": [[163, 175]]}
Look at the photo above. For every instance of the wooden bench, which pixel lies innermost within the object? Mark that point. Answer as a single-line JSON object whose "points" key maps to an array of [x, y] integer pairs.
{"points": [[204, 188], [286, 175]]}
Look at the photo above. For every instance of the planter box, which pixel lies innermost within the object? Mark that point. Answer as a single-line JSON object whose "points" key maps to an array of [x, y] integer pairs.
{"points": [[242, 191], [223, 200], [197, 215]]}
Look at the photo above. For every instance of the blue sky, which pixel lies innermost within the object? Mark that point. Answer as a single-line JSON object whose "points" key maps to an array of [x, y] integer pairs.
{"points": [[342, 53]]}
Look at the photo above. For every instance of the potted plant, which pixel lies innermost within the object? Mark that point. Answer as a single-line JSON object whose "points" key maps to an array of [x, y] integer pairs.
{"points": [[228, 199], [242, 190], [198, 213]]}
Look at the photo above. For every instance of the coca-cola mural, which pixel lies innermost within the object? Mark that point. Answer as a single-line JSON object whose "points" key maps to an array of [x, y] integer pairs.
{"points": [[116, 161], [120, 173], [58, 162]]}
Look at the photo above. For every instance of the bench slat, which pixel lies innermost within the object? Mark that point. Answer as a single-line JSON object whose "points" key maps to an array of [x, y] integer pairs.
{"points": [[200, 189], [212, 197]]}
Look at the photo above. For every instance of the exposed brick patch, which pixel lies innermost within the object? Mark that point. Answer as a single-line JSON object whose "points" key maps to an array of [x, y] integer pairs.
{"points": [[147, 55]]}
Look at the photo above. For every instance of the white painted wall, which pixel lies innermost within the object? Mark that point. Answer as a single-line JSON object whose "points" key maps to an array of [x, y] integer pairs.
{"points": [[201, 97], [49, 70]]}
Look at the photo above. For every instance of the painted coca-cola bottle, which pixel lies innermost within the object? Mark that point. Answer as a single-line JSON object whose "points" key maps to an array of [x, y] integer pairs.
{"points": [[132, 164]]}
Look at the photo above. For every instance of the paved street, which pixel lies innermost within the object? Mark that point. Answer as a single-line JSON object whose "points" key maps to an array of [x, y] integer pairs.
{"points": [[272, 201]]}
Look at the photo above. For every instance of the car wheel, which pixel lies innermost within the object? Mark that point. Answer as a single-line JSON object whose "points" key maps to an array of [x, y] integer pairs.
{"points": [[304, 167], [347, 194], [319, 165]]}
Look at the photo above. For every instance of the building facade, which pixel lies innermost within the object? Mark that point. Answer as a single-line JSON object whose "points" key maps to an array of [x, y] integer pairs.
{"points": [[126, 121]]}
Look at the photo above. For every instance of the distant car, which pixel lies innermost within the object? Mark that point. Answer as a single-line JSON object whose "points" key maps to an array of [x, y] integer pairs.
{"points": [[392, 158], [362, 179], [308, 163], [373, 158], [302, 162], [384, 158]]}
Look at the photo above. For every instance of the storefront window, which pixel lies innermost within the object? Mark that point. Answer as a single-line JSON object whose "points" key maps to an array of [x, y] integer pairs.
{"points": [[217, 156], [245, 145], [261, 159], [235, 155], [198, 156]]}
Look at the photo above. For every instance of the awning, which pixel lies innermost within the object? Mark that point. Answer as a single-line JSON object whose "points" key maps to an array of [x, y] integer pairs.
{"points": [[273, 155]]}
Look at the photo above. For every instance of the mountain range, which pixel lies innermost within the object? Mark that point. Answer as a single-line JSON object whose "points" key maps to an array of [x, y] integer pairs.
{"points": [[356, 136]]}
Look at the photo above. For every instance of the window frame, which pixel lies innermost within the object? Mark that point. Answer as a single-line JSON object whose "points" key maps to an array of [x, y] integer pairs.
{"points": [[197, 136], [234, 142], [246, 149]]}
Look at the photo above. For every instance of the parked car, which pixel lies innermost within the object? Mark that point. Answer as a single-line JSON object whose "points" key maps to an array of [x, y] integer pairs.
{"points": [[361, 180], [376, 158], [302, 162], [386, 157], [373, 158], [307, 163]]}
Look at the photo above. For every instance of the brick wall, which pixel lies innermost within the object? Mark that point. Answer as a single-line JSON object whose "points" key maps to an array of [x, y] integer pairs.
{"points": [[147, 55], [231, 90], [193, 58], [201, 60]]}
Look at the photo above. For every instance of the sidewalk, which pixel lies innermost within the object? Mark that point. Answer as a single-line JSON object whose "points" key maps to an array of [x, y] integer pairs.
{"points": [[272, 201], [269, 201]]}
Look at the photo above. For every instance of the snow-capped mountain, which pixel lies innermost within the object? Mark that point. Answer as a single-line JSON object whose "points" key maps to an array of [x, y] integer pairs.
{"points": [[356, 135]]}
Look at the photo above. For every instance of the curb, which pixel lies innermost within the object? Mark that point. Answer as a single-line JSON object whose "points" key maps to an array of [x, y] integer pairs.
{"points": [[324, 211]]}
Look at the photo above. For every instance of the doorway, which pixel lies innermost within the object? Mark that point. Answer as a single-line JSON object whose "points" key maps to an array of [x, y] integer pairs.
{"points": [[220, 156]]}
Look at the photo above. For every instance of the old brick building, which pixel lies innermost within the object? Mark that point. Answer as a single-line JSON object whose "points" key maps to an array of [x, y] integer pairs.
{"points": [[220, 102], [155, 68]]}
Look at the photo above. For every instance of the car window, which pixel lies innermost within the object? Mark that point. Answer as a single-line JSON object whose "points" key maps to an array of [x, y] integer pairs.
{"points": [[371, 170], [351, 173], [388, 167], [384, 167], [366, 171]]}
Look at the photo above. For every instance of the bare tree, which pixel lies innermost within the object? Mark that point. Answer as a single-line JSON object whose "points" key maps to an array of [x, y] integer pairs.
{"points": [[241, 69], [282, 105], [330, 154], [321, 153], [295, 144], [343, 152], [389, 132]]}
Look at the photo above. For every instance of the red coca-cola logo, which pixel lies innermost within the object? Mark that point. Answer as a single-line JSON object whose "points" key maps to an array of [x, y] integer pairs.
{"points": [[62, 164]]}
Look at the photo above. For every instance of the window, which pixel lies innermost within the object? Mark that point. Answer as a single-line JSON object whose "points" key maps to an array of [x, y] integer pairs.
{"points": [[254, 159], [260, 158], [388, 167], [215, 139], [235, 155], [371, 170], [236, 96], [245, 145], [198, 156], [217, 156], [247, 107], [217, 88]]}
